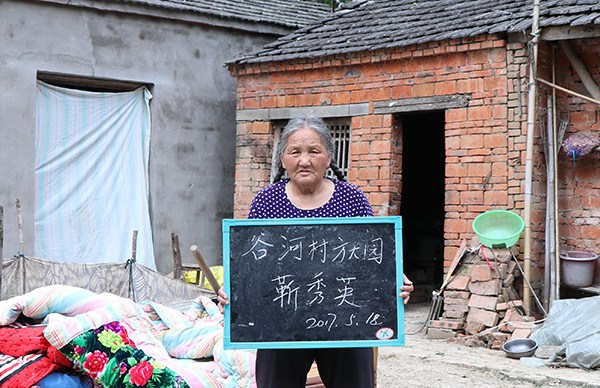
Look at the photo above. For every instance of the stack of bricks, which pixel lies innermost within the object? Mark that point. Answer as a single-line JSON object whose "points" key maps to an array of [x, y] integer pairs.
{"points": [[481, 304]]}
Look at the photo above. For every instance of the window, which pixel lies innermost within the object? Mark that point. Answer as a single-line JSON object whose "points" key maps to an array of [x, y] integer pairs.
{"points": [[340, 131]]}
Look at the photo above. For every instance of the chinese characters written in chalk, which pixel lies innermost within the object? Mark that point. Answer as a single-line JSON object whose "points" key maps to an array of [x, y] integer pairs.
{"points": [[287, 289], [306, 248]]}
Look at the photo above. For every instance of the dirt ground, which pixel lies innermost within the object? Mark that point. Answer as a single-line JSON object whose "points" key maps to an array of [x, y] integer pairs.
{"points": [[443, 364]]}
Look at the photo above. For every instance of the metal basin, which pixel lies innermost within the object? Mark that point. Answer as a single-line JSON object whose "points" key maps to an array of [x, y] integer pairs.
{"points": [[520, 347]]}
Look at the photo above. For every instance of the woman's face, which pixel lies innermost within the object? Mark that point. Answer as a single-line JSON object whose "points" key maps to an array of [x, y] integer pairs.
{"points": [[305, 158]]}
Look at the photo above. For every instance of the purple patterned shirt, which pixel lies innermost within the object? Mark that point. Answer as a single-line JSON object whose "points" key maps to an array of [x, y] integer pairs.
{"points": [[347, 201]]}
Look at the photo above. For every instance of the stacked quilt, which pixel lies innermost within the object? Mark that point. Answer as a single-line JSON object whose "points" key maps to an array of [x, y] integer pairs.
{"points": [[110, 341]]}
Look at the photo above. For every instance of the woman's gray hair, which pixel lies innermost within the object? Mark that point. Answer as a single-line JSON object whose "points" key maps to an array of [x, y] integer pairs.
{"points": [[316, 124]]}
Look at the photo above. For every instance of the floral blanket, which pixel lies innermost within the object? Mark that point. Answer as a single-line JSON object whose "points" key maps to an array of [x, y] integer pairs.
{"points": [[120, 343]]}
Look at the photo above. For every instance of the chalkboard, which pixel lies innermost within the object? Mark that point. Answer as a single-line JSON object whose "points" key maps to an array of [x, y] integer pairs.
{"points": [[307, 283]]}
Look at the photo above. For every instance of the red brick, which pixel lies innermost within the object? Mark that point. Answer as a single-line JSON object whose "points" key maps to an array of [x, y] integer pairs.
{"points": [[471, 198], [481, 273], [455, 324], [520, 333], [513, 315], [261, 127], [491, 287], [500, 269], [456, 170], [474, 327], [459, 308], [455, 301], [504, 327], [455, 226], [515, 325], [480, 113], [435, 333], [508, 280], [495, 140], [494, 198], [483, 302], [496, 340], [454, 314], [459, 283], [488, 318], [478, 169], [471, 141], [457, 294]]}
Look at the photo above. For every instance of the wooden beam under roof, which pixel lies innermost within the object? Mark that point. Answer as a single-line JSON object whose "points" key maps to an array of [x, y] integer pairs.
{"points": [[569, 32]]}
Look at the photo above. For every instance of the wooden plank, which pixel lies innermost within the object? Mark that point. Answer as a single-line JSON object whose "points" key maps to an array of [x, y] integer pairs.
{"points": [[570, 32], [205, 269], [177, 266], [421, 104]]}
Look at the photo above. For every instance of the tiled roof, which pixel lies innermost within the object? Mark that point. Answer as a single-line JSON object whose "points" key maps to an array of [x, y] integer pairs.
{"points": [[367, 25], [288, 13]]}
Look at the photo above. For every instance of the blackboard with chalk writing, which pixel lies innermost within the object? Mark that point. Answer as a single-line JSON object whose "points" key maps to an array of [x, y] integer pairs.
{"points": [[317, 282]]}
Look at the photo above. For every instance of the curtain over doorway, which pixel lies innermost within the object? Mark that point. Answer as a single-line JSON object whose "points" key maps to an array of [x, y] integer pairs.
{"points": [[91, 175]]}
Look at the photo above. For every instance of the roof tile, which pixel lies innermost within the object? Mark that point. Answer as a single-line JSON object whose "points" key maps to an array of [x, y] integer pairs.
{"points": [[374, 24], [289, 13]]}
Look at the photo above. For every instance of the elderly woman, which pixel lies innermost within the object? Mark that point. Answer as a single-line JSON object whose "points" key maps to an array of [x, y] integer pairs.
{"points": [[304, 154]]}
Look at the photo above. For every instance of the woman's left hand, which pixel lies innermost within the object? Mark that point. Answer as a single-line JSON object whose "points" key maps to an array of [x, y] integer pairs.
{"points": [[407, 288]]}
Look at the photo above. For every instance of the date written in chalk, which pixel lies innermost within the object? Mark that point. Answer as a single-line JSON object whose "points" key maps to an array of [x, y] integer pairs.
{"points": [[331, 321]]}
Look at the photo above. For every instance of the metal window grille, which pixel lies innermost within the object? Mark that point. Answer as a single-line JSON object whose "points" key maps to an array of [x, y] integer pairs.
{"points": [[341, 134]]}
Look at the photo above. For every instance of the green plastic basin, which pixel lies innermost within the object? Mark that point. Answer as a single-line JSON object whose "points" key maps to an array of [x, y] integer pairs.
{"points": [[498, 228]]}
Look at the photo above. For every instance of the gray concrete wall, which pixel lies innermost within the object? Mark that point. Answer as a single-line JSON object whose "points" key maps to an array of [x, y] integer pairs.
{"points": [[192, 158]]}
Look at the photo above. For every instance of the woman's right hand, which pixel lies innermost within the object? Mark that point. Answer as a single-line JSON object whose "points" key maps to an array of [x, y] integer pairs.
{"points": [[222, 298]]}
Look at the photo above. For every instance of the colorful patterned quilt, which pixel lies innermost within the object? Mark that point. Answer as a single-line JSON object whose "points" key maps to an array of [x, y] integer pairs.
{"points": [[120, 343]]}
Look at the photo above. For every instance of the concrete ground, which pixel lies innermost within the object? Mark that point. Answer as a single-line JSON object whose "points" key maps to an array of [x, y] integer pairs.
{"points": [[443, 364]]}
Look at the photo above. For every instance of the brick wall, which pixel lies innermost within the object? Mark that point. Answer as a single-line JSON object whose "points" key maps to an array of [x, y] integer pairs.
{"points": [[579, 182], [485, 140]]}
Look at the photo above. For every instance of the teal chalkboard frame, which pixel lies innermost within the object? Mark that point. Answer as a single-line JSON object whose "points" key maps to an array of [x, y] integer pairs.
{"points": [[398, 337]]}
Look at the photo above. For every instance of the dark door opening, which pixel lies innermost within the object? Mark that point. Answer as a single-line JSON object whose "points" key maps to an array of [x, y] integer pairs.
{"points": [[422, 197]]}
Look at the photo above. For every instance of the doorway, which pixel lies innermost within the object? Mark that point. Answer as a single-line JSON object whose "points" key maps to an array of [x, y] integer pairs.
{"points": [[422, 203]]}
